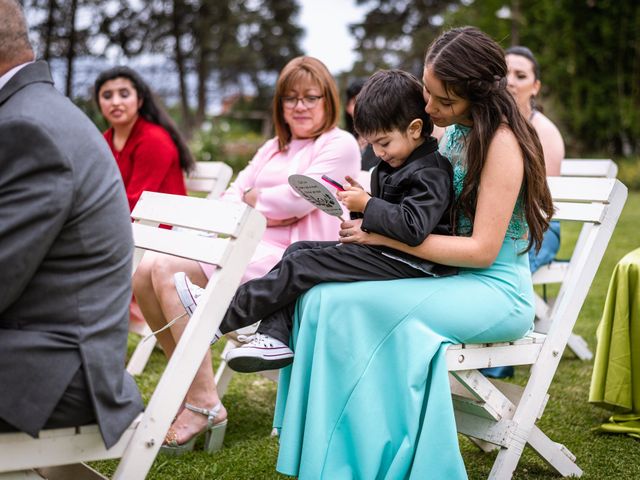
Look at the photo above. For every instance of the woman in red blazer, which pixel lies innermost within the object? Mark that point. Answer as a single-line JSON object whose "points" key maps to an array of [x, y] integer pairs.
{"points": [[150, 152], [148, 148]]}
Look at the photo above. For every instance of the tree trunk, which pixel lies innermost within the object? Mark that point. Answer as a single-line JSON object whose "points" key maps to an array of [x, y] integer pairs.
{"points": [[203, 73], [48, 40], [71, 53], [203, 38], [187, 121], [516, 18]]}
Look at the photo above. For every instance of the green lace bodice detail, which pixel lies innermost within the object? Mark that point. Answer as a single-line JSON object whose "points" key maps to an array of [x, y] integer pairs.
{"points": [[453, 146]]}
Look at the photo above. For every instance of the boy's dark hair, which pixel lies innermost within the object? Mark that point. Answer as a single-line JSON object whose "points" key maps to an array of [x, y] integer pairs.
{"points": [[390, 100]]}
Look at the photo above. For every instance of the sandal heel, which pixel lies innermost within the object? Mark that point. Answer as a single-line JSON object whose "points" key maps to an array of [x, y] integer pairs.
{"points": [[214, 437], [214, 433], [179, 449]]}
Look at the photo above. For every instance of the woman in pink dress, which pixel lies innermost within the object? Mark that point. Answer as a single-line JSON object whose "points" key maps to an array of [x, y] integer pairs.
{"points": [[307, 141]]}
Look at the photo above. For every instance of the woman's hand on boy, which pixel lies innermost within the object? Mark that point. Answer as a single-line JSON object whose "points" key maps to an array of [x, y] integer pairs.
{"points": [[351, 232]]}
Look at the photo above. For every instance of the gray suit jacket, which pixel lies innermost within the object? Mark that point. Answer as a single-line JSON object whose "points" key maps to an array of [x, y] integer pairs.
{"points": [[65, 260]]}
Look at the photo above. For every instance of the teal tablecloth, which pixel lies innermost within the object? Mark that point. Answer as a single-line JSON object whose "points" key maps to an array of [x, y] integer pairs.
{"points": [[615, 384]]}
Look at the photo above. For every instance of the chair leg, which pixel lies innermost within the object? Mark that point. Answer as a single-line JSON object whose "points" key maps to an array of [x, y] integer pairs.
{"points": [[21, 475], [141, 355], [542, 314], [580, 347], [482, 445], [508, 458], [555, 454], [224, 373], [77, 471]]}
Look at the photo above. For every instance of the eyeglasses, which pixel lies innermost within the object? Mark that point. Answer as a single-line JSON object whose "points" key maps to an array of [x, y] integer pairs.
{"points": [[308, 101]]}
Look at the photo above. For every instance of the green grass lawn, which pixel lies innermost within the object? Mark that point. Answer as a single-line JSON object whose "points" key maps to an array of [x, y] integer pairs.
{"points": [[250, 453]]}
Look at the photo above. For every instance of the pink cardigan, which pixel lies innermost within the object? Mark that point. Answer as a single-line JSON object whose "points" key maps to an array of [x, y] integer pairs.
{"points": [[334, 153]]}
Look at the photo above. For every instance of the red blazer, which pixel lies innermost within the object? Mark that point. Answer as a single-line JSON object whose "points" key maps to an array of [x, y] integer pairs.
{"points": [[148, 161]]}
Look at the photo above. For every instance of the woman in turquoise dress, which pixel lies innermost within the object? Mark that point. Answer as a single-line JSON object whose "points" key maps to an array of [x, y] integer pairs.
{"points": [[368, 395]]}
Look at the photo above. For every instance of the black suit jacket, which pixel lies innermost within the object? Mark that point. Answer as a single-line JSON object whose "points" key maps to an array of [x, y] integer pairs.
{"points": [[412, 201], [65, 260]]}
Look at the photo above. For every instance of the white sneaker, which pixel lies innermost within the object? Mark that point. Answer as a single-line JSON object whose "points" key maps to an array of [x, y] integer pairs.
{"points": [[189, 294], [261, 353]]}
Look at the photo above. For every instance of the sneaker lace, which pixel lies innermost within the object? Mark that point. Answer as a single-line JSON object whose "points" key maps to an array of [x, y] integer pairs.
{"points": [[256, 340]]}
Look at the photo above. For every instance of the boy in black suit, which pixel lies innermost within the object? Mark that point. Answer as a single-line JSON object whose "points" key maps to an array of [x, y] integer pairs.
{"points": [[411, 196]]}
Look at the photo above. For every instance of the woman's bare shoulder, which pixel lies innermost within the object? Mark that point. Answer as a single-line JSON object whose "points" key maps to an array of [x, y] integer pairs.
{"points": [[544, 126]]}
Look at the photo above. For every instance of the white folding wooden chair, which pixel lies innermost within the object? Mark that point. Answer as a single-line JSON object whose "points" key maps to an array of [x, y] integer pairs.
{"points": [[61, 453], [556, 271], [210, 178], [500, 415]]}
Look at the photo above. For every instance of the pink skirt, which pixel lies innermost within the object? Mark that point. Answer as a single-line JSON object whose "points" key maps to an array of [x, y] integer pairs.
{"points": [[264, 258]]}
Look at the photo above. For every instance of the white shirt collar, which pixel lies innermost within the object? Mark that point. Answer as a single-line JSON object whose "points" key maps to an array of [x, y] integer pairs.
{"points": [[4, 79]]}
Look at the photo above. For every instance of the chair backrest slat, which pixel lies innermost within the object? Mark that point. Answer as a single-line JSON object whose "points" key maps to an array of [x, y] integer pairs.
{"points": [[186, 244], [182, 211], [211, 178], [580, 212], [576, 189], [583, 167]]}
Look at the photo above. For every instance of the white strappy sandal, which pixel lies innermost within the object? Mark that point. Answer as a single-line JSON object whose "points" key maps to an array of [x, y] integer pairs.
{"points": [[213, 433]]}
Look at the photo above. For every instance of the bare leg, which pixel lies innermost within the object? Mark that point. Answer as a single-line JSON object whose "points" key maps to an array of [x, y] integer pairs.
{"points": [[157, 297]]}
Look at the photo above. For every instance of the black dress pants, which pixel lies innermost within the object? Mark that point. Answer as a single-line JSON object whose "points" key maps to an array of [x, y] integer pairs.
{"points": [[272, 298]]}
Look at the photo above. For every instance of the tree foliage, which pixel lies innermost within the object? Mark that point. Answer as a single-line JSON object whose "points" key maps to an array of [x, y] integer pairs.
{"points": [[395, 33], [589, 52], [59, 31], [213, 44], [220, 42]]}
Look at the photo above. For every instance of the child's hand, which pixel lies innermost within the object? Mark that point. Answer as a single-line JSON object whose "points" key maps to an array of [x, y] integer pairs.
{"points": [[353, 182], [354, 198]]}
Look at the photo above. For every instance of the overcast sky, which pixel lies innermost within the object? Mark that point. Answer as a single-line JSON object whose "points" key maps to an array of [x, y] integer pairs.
{"points": [[327, 34]]}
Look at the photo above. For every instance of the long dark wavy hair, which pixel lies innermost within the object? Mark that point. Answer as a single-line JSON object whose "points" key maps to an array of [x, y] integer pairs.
{"points": [[472, 66], [151, 109]]}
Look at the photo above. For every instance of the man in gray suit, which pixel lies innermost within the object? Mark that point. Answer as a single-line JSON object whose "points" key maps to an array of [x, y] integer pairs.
{"points": [[65, 256]]}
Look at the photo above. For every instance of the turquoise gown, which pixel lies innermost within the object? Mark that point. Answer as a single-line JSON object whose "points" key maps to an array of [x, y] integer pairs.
{"points": [[368, 394]]}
